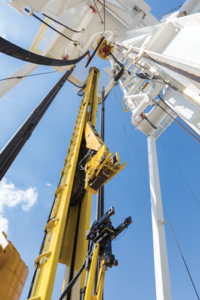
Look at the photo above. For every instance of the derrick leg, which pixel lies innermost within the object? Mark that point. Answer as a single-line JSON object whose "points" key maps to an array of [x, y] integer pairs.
{"points": [[163, 288], [7, 85]]}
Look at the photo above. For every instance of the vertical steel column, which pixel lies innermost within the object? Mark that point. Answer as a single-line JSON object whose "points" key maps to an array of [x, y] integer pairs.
{"points": [[102, 125], [163, 288], [100, 195]]}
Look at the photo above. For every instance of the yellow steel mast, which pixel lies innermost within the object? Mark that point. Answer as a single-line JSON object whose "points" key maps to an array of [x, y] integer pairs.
{"points": [[65, 232]]}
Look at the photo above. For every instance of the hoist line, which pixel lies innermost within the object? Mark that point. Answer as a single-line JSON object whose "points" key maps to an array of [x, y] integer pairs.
{"points": [[23, 76], [181, 253], [179, 117], [169, 11], [137, 138], [15, 51], [104, 12], [39, 19], [170, 222], [94, 52], [134, 164], [179, 172], [140, 148], [16, 143], [173, 117], [98, 11]]}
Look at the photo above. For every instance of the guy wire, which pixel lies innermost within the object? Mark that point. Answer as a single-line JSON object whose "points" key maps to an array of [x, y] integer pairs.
{"points": [[134, 164]]}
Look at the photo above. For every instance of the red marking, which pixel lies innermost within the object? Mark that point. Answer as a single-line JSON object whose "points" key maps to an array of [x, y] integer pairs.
{"points": [[93, 9], [106, 50], [88, 54], [142, 116], [65, 57]]}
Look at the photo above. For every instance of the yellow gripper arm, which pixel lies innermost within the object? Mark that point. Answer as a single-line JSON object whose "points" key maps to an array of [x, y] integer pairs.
{"points": [[103, 165]]}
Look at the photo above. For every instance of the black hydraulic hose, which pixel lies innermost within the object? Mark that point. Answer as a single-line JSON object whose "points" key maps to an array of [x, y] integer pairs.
{"points": [[77, 31], [118, 76], [82, 163], [8, 162], [73, 281], [50, 26], [15, 144], [95, 50], [152, 125], [15, 51]]}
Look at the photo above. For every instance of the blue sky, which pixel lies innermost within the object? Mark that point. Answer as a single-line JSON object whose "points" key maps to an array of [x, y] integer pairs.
{"points": [[41, 160]]}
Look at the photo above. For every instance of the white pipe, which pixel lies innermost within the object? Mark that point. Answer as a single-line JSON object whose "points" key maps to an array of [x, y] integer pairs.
{"points": [[188, 6]]}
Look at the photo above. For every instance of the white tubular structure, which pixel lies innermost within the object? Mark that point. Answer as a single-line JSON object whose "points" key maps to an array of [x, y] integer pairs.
{"points": [[9, 84], [163, 289]]}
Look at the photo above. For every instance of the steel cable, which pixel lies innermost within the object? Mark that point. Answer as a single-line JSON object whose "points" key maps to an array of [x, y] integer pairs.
{"points": [[171, 224], [137, 139], [169, 11], [98, 11], [134, 165], [23, 76], [181, 253]]}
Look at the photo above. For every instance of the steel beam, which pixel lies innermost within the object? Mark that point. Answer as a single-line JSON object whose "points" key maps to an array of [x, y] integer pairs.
{"points": [[163, 288]]}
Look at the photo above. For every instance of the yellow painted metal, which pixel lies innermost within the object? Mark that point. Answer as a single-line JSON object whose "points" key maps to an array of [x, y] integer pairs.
{"points": [[101, 52], [101, 278], [102, 162], [125, 108], [93, 139], [46, 269], [85, 213], [82, 244], [13, 271], [94, 100], [68, 238], [165, 123], [39, 36], [44, 254], [93, 267], [51, 223]]}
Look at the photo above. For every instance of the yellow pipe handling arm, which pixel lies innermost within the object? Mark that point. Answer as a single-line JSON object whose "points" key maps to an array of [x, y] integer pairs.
{"points": [[64, 239], [102, 167]]}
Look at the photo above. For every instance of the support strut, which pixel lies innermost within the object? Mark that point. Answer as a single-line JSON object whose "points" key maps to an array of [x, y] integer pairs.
{"points": [[16, 143]]}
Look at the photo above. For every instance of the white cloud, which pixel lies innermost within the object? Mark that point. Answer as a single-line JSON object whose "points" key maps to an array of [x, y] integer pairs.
{"points": [[4, 37], [10, 196], [48, 184], [3, 224]]}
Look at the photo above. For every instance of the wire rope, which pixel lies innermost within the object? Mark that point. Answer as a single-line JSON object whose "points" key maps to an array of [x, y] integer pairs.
{"points": [[169, 11], [98, 11], [179, 172], [133, 163], [137, 138], [104, 12], [174, 118], [20, 77], [169, 220], [181, 253]]}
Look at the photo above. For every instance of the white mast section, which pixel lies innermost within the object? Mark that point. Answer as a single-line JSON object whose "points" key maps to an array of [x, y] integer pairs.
{"points": [[9, 84], [163, 288]]}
